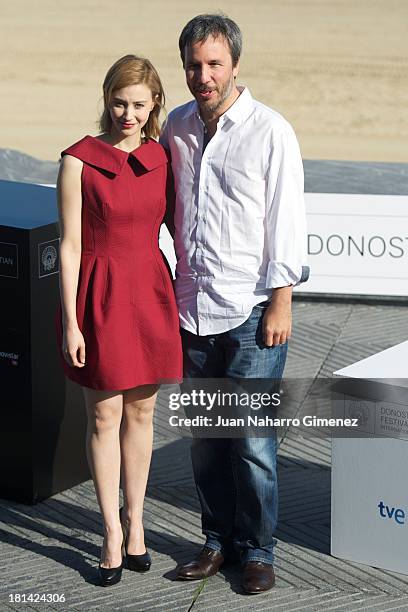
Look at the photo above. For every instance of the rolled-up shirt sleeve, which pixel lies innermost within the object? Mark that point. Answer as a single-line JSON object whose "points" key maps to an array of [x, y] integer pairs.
{"points": [[286, 232]]}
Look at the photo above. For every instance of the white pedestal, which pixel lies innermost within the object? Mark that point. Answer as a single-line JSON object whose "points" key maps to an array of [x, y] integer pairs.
{"points": [[370, 468]]}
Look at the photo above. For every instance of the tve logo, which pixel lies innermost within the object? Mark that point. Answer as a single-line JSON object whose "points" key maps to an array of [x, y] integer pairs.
{"points": [[389, 512]]}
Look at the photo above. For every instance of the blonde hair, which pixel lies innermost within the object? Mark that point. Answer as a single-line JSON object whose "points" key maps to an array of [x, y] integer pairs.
{"points": [[133, 70]]}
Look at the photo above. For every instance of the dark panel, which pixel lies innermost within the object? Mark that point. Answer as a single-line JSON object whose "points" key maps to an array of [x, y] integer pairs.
{"points": [[42, 438], [16, 479], [59, 418]]}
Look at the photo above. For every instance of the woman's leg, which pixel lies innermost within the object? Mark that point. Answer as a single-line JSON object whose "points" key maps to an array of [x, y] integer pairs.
{"points": [[136, 435], [104, 411]]}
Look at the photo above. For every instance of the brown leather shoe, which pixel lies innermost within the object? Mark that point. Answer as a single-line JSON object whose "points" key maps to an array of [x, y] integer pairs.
{"points": [[206, 564], [257, 577]]}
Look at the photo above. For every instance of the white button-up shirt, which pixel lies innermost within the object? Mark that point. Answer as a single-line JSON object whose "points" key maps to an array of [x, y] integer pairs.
{"points": [[239, 212]]}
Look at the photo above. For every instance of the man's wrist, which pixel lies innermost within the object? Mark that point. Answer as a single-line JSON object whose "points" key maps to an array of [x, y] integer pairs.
{"points": [[282, 295]]}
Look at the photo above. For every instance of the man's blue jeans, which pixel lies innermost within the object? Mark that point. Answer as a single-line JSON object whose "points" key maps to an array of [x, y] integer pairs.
{"points": [[236, 478]]}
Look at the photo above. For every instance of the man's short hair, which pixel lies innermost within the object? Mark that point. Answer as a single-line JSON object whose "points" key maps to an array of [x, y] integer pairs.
{"points": [[201, 27]]}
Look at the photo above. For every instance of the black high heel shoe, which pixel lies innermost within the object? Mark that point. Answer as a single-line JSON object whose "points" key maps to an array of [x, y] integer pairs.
{"points": [[108, 576], [134, 563]]}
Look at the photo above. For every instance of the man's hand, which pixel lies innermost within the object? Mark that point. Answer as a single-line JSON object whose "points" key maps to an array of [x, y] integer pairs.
{"points": [[277, 321]]}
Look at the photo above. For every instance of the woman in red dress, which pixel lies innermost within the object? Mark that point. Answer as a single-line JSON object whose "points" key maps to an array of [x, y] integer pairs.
{"points": [[119, 324]]}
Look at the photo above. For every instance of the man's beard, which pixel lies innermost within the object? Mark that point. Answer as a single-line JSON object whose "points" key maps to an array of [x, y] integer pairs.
{"points": [[224, 93]]}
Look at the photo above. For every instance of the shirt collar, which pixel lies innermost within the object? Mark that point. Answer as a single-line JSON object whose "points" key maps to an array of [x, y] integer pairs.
{"points": [[237, 113], [242, 107]]}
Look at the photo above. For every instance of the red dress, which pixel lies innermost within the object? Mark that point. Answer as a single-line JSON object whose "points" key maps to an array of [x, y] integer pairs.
{"points": [[126, 308]]}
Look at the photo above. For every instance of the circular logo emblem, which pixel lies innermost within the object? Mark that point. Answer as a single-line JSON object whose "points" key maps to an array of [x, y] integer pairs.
{"points": [[359, 410], [48, 258]]}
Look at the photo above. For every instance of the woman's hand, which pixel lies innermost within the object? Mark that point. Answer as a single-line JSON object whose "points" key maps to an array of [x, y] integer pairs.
{"points": [[73, 347]]}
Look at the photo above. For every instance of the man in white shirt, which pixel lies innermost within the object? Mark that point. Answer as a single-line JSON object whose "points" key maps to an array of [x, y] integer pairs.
{"points": [[240, 241]]}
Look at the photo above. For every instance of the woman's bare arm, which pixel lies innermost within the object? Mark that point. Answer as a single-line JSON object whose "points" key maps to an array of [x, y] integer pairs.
{"points": [[70, 207]]}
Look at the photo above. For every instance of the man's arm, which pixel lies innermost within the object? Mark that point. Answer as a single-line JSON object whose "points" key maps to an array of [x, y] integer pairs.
{"points": [[170, 199], [170, 189], [286, 234], [277, 321]]}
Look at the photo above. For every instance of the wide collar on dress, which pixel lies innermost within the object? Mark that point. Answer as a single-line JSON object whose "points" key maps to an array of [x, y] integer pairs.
{"points": [[99, 154]]}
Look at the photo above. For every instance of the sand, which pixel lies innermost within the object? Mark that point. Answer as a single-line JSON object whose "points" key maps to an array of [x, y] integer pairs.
{"points": [[336, 69]]}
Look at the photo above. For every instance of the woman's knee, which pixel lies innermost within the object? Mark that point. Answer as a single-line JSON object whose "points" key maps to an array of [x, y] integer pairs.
{"points": [[139, 412], [106, 418], [105, 414], [138, 405]]}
